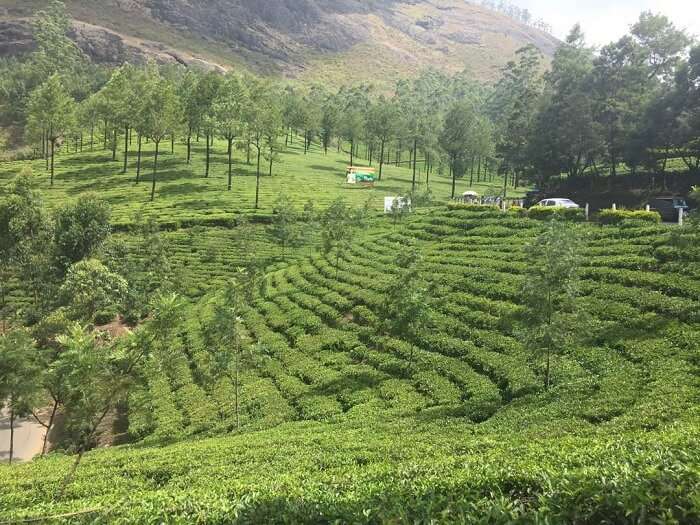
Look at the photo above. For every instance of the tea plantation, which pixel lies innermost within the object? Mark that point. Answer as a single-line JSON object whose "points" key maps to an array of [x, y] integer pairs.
{"points": [[341, 422]]}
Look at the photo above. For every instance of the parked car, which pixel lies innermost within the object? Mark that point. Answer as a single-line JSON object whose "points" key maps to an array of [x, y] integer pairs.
{"points": [[558, 203], [669, 207]]}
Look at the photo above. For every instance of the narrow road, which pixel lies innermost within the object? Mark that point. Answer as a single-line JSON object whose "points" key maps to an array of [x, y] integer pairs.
{"points": [[29, 438]]}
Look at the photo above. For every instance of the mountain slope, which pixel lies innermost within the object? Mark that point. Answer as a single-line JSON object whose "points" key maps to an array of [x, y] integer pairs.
{"points": [[332, 40]]}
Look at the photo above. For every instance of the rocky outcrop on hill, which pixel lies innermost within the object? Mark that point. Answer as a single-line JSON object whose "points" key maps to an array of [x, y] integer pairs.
{"points": [[290, 37]]}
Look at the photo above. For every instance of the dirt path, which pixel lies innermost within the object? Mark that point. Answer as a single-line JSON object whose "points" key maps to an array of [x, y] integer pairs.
{"points": [[29, 437]]}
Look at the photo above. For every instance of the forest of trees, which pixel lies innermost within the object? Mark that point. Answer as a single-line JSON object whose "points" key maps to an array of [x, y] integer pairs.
{"points": [[633, 106], [520, 14]]}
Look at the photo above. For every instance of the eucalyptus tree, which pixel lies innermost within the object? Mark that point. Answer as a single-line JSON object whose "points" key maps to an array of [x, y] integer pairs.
{"points": [[291, 110], [310, 116], [188, 93], [263, 121], [207, 91], [161, 115], [122, 96], [285, 229], [228, 111], [89, 115], [330, 121], [566, 137], [53, 109], [225, 326], [352, 128], [338, 223], [459, 137], [514, 106], [383, 125], [406, 309], [551, 317]]}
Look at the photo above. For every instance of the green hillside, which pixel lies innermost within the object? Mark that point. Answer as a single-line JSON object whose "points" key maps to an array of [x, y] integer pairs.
{"points": [[185, 195], [342, 422]]}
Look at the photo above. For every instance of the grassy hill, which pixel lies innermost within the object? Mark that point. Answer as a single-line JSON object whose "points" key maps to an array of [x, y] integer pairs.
{"points": [[334, 41], [185, 195], [341, 422]]}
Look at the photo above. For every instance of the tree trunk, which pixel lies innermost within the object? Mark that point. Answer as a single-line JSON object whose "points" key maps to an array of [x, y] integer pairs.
{"points": [[206, 173], [114, 146], [453, 172], [104, 146], [415, 154], [381, 160], [272, 151], [471, 174], [257, 181], [547, 372], [172, 144], [352, 153], [238, 418], [138, 159], [126, 149], [12, 434], [48, 427], [155, 171], [230, 155], [189, 147], [53, 153]]}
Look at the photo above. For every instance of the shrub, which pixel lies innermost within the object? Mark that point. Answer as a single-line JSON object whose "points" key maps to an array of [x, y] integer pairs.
{"points": [[471, 207], [542, 213], [617, 216]]}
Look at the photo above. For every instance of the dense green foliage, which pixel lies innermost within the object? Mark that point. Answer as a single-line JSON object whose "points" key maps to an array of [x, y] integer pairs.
{"points": [[260, 345], [452, 421]]}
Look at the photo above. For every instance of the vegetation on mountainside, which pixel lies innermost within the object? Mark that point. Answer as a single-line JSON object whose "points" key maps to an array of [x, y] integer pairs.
{"points": [[320, 350], [185, 274]]}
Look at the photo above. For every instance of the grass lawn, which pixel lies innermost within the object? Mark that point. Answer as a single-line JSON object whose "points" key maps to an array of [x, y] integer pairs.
{"points": [[183, 193]]}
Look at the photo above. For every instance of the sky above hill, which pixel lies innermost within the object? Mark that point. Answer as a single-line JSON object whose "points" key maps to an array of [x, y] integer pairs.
{"points": [[604, 21]]}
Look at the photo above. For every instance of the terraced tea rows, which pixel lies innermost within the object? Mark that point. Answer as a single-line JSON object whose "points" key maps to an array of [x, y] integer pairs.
{"points": [[323, 352]]}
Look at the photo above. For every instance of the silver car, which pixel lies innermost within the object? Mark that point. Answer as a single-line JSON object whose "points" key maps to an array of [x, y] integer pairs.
{"points": [[558, 203]]}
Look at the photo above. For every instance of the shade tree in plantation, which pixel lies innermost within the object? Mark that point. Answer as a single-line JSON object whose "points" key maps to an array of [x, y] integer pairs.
{"points": [[80, 229], [310, 114], [187, 90], [552, 318], [20, 386], [513, 107], [330, 121], [161, 116], [51, 108], [263, 122], [224, 329], [90, 288], [26, 231], [97, 378], [352, 129], [383, 125], [286, 229], [205, 95], [460, 138], [229, 113], [121, 96], [566, 138], [338, 224], [406, 308]]}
